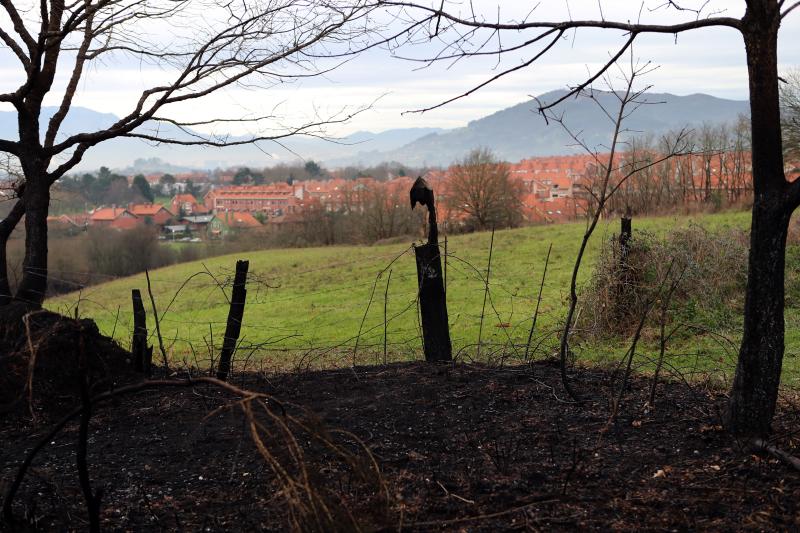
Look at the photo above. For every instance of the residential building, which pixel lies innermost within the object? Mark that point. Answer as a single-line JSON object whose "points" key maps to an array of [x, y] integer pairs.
{"points": [[276, 199], [155, 214], [228, 221], [113, 217], [69, 224], [187, 205]]}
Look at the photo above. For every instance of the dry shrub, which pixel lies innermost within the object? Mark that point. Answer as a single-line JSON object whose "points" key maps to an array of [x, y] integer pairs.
{"points": [[710, 269], [329, 480], [124, 253]]}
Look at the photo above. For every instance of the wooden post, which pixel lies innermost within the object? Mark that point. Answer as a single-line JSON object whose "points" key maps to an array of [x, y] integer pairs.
{"points": [[430, 281], [625, 233], [433, 307], [624, 277], [235, 316], [142, 354]]}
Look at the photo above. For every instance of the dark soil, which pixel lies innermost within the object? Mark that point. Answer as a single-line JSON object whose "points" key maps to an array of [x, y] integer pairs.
{"points": [[461, 448]]}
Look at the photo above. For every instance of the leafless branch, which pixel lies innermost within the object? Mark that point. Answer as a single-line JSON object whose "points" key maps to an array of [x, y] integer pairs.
{"points": [[629, 99], [431, 20], [789, 9]]}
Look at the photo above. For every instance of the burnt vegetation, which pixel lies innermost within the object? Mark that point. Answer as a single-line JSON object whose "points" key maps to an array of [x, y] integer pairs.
{"points": [[483, 436]]}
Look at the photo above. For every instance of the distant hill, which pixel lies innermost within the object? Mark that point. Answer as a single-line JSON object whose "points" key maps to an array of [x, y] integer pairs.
{"points": [[513, 134], [519, 131], [140, 156]]}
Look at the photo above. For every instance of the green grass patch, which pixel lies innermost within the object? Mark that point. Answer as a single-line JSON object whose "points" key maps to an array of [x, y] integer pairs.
{"points": [[308, 304]]}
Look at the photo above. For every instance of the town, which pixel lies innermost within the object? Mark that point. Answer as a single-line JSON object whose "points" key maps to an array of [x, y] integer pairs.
{"points": [[199, 206]]}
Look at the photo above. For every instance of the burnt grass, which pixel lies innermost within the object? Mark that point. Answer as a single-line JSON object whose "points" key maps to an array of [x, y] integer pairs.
{"points": [[460, 448]]}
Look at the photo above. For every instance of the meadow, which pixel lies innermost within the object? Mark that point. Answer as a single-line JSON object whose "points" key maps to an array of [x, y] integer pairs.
{"points": [[307, 306]]}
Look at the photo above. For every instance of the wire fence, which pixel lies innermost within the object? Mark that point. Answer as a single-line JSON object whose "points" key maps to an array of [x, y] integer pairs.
{"points": [[361, 310]]}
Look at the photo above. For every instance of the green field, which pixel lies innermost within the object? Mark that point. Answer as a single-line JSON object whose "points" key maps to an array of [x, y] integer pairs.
{"points": [[305, 306]]}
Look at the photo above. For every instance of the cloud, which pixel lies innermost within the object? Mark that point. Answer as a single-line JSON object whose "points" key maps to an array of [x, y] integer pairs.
{"points": [[709, 61]]}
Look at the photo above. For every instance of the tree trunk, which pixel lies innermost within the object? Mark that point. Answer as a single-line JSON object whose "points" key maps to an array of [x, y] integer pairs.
{"points": [[7, 226], [33, 287], [758, 371]]}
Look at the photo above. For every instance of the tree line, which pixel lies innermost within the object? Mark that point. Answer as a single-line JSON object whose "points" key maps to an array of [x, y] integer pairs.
{"points": [[714, 173]]}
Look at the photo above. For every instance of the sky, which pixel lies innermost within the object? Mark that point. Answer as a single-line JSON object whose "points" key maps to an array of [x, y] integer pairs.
{"points": [[710, 61]]}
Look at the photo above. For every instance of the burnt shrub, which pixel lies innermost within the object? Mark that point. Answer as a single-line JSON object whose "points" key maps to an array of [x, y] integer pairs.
{"points": [[709, 269], [40, 353]]}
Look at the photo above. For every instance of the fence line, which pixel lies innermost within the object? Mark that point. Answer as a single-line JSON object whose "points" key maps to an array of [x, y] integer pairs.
{"points": [[294, 318]]}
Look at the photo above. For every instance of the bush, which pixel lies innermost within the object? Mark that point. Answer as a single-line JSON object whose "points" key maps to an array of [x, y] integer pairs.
{"points": [[709, 271], [124, 253]]}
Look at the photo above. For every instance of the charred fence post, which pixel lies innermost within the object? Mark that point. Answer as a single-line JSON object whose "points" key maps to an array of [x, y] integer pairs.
{"points": [[625, 233], [142, 353], [624, 274], [430, 281], [235, 316]]}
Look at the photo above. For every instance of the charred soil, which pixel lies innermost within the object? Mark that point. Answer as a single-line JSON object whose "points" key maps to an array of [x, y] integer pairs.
{"points": [[460, 448]]}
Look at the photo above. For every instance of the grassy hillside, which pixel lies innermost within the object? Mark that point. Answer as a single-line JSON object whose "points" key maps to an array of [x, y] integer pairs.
{"points": [[307, 305]]}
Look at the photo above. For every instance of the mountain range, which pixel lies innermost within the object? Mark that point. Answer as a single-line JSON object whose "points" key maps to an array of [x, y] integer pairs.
{"points": [[513, 134]]}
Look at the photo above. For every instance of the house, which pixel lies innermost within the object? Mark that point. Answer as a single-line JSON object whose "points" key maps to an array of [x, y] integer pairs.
{"points": [[114, 217], [240, 220], [224, 223], [155, 214], [337, 194], [198, 224], [68, 224], [187, 205], [175, 231]]}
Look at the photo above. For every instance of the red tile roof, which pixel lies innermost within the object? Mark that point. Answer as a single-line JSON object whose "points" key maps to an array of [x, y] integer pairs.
{"points": [[184, 198], [147, 209], [241, 219], [106, 214]]}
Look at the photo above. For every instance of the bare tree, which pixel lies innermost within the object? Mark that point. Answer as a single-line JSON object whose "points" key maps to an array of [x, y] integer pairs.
{"points": [[611, 173], [715, 173], [385, 213], [790, 115], [209, 47], [480, 188], [11, 189], [466, 33]]}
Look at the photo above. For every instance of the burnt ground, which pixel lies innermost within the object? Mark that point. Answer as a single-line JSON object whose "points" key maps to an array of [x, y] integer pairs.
{"points": [[460, 448]]}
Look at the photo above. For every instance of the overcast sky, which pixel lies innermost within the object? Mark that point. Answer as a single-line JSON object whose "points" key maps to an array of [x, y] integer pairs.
{"points": [[709, 61]]}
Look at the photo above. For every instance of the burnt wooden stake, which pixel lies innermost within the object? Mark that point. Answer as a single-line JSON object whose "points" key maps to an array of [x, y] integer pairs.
{"points": [[623, 280], [432, 303], [625, 233], [235, 316], [142, 354], [430, 281]]}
